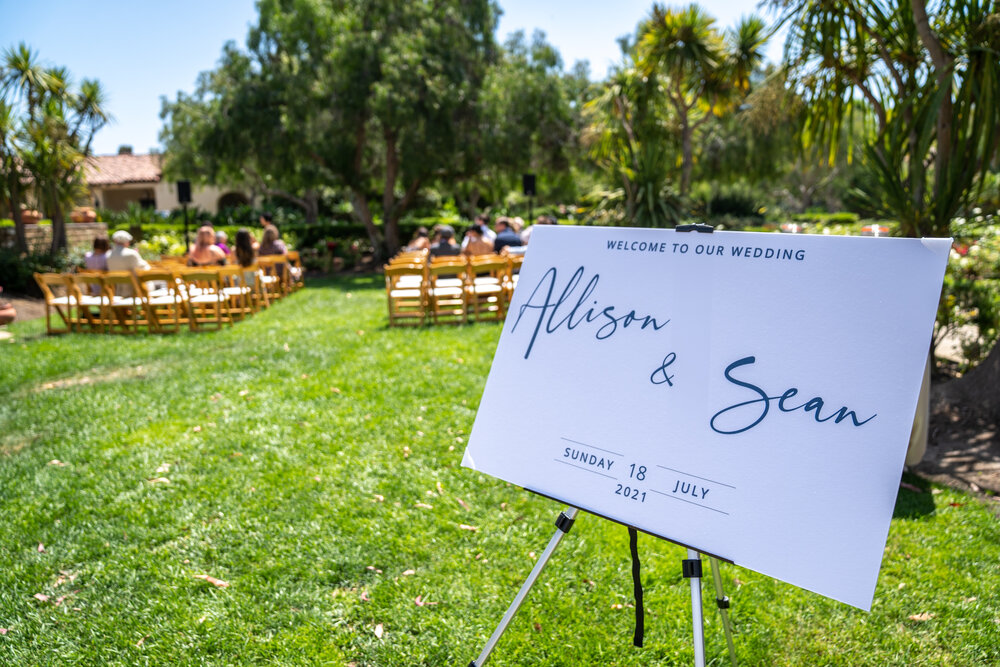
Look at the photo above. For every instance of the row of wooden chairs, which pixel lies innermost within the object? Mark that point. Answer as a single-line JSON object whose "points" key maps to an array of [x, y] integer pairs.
{"points": [[161, 299], [449, 290], [291, 262]]}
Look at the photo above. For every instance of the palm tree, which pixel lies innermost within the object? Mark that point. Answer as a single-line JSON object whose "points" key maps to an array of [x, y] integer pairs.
{"points": [[11, 168], [627, 135], [704, 73], [56, 131], [22, 81], [931, 92]]}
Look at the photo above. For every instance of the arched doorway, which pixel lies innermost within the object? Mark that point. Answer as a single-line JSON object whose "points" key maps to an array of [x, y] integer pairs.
{"points": [[232, 200]]}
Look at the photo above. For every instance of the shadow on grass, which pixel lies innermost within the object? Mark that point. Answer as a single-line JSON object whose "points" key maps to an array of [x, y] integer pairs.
{"points": [[913, 505]]}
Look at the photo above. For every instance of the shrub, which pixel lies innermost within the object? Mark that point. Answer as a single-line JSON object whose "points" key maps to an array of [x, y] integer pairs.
{"points": [[16, 270]]}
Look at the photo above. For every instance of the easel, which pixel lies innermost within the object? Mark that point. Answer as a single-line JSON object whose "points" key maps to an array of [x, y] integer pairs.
{"points": [[691, 570]]}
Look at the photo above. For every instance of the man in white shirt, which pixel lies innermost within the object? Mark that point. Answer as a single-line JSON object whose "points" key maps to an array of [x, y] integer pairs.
{"points": [[123, 258]]}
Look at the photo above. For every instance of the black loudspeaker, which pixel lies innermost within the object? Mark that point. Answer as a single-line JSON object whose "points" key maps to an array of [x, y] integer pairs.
{"points": [[528, 184], [184, 192]]}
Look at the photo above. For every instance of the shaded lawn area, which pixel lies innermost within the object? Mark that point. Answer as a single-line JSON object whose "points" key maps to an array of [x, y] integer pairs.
{"points": [[313, 463]]}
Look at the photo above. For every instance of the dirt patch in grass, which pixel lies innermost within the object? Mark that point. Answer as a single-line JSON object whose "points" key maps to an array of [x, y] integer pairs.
{"points": [[14, 443], [27, 308], [94, 376]]}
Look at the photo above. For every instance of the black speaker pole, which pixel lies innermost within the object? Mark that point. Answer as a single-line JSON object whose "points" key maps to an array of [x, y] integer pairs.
{"points": [[187, 245]]}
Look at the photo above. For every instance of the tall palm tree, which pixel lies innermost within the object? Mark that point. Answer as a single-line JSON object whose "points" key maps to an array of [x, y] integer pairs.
{"points": [[703, 73], [932, 92], [626, 134], [55, 131], [22, 81], [11, 170]]}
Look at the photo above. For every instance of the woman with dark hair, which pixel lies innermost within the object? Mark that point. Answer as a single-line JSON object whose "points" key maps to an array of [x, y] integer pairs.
{"points": [[97, 259], [243, 248]]}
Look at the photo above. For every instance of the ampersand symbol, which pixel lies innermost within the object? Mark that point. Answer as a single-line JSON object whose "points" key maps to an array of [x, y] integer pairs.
{"points": [[659, 376]]}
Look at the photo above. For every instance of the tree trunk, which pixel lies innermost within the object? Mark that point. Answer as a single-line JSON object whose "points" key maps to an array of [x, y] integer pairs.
{"points": [[15, 212], [311, 201], [973, 396], [687, 162], [363, 214], [58, 227]]}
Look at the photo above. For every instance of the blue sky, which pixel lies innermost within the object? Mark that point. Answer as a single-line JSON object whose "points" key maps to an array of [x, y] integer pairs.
{"points": [[142, 50]]}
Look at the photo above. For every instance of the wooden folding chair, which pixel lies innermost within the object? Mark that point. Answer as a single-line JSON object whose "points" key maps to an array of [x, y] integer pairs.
{"points": [[57, 295], [166, 302], [513, 270], [206, 302], [238, 290], [405, 292], [295, 271], [129, 309], [486, 288], [274, 276], [447, 299], [92, 301], [409, 257]]}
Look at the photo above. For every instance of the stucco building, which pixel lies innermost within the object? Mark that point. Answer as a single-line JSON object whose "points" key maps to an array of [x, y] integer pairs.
{"points": [[115, 181]]}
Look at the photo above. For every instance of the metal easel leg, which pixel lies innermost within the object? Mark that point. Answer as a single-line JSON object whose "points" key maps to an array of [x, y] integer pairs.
{"points": [[722, 601], [692, 571], [563, 524]]}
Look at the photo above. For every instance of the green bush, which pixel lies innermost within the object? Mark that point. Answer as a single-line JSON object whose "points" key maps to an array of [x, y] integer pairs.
{"points": [[970, 298], [16, 270]]}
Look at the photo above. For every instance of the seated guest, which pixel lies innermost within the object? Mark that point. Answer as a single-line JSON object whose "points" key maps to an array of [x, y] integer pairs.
{"points": [[243, 248], [97, 259], [506, 236], [474, 243], [483, 222], [446, 245], [270, 244], [244, 255], [419, 240], [205, 252], [123, 258], [266, 220], [220, 240], [542, 220]]}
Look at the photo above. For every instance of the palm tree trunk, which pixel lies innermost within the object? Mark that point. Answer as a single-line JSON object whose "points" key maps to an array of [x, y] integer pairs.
{"points": [[21, 238], [54, 209], [687, 161]]}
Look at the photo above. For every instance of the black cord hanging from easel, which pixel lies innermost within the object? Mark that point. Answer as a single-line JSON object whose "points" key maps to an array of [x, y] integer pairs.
{"points": [[633, 543]]}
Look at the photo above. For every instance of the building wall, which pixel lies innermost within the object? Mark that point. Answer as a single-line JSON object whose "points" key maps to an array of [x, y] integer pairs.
{"points": [[118, 197], [39, 237]]}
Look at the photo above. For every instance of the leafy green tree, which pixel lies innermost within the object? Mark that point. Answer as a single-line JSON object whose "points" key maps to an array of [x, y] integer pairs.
{"points": [[235, 129], [527, 123], [375, 97]]}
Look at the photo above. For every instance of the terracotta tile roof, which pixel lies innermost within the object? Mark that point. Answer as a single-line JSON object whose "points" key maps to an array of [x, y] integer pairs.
{"points": [[119, 169]]}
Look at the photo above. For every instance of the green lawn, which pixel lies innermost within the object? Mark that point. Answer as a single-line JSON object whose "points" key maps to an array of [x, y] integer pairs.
{"points": [[313, 463]]}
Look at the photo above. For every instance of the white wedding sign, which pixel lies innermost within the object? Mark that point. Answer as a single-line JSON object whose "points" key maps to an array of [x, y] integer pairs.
{"points": [[747, 395]]}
